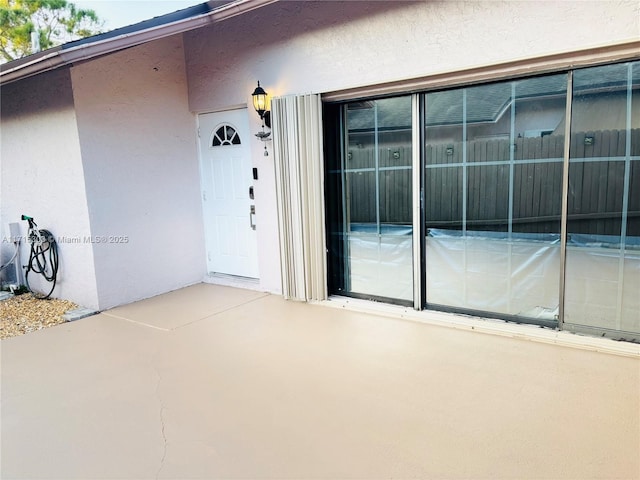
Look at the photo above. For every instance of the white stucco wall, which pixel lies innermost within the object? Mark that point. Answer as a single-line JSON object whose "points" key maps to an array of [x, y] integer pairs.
{"points": [[315, 46], [42, 176], [139, 150], [296, 47]]}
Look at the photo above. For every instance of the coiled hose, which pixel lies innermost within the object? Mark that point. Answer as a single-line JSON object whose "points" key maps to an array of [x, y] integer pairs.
{"points": [[43, 259]]}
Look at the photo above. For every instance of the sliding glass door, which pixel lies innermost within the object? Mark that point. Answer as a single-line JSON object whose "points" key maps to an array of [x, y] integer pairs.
{"points": [[603, 224], [493, 185], [529, 199], [371, 195]]}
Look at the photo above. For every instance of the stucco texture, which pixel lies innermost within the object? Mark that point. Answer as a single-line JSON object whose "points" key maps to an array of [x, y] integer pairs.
{"points": [[42, 176], [140, 157], [297, 47]]}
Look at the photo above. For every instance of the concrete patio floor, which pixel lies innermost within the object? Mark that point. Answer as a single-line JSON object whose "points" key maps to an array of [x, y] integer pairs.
{"points": [[215, 382]]}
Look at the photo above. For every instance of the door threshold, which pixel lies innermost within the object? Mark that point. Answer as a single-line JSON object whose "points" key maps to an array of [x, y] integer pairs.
{"points": [[233, 281]]}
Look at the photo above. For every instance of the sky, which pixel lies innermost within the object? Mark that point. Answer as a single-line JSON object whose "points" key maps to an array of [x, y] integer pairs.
{"points": [[119, 13]]}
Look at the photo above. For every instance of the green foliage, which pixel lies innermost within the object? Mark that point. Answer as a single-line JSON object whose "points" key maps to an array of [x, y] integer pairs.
{"points": [[55, 21]]}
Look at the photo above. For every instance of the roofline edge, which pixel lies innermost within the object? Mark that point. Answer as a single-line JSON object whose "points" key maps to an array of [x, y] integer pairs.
{"points": [[61, 57]]}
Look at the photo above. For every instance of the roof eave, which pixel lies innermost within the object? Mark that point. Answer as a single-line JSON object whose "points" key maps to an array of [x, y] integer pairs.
{"points": [[58, 56]]}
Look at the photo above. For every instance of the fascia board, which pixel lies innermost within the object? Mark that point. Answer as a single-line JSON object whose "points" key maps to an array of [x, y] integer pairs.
{"points": [[87, 51]]}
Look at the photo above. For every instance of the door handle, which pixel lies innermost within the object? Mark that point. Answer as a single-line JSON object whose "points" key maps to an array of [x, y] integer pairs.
{"points": [[252, 214]]}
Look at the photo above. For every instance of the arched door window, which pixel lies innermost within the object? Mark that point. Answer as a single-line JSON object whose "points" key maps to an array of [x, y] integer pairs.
{"points": [[225, 135]]}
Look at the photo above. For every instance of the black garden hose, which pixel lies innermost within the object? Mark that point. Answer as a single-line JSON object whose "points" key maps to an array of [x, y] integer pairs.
{"points": [[43, 259]]}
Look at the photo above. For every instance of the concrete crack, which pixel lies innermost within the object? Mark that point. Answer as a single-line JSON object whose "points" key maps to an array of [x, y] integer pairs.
{"points": [[162, 426], [164, 439]]}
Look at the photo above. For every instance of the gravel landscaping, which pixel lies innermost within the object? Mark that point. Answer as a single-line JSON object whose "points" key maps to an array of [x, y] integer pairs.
{"points": [[25, 313]]}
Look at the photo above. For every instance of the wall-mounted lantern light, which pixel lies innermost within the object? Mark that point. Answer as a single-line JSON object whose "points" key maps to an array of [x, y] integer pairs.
{"points": [[260, 103]]}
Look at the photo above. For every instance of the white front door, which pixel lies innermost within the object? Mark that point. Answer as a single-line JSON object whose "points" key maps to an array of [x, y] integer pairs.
{"points": [[227, 178]]}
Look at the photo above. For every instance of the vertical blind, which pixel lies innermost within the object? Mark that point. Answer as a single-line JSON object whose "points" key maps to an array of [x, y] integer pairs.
{"points": [[297, 141]]}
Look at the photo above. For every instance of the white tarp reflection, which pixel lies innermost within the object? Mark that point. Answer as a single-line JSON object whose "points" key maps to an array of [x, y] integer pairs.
{"points": [[603, 288], [381, 264], [488, 272]]}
